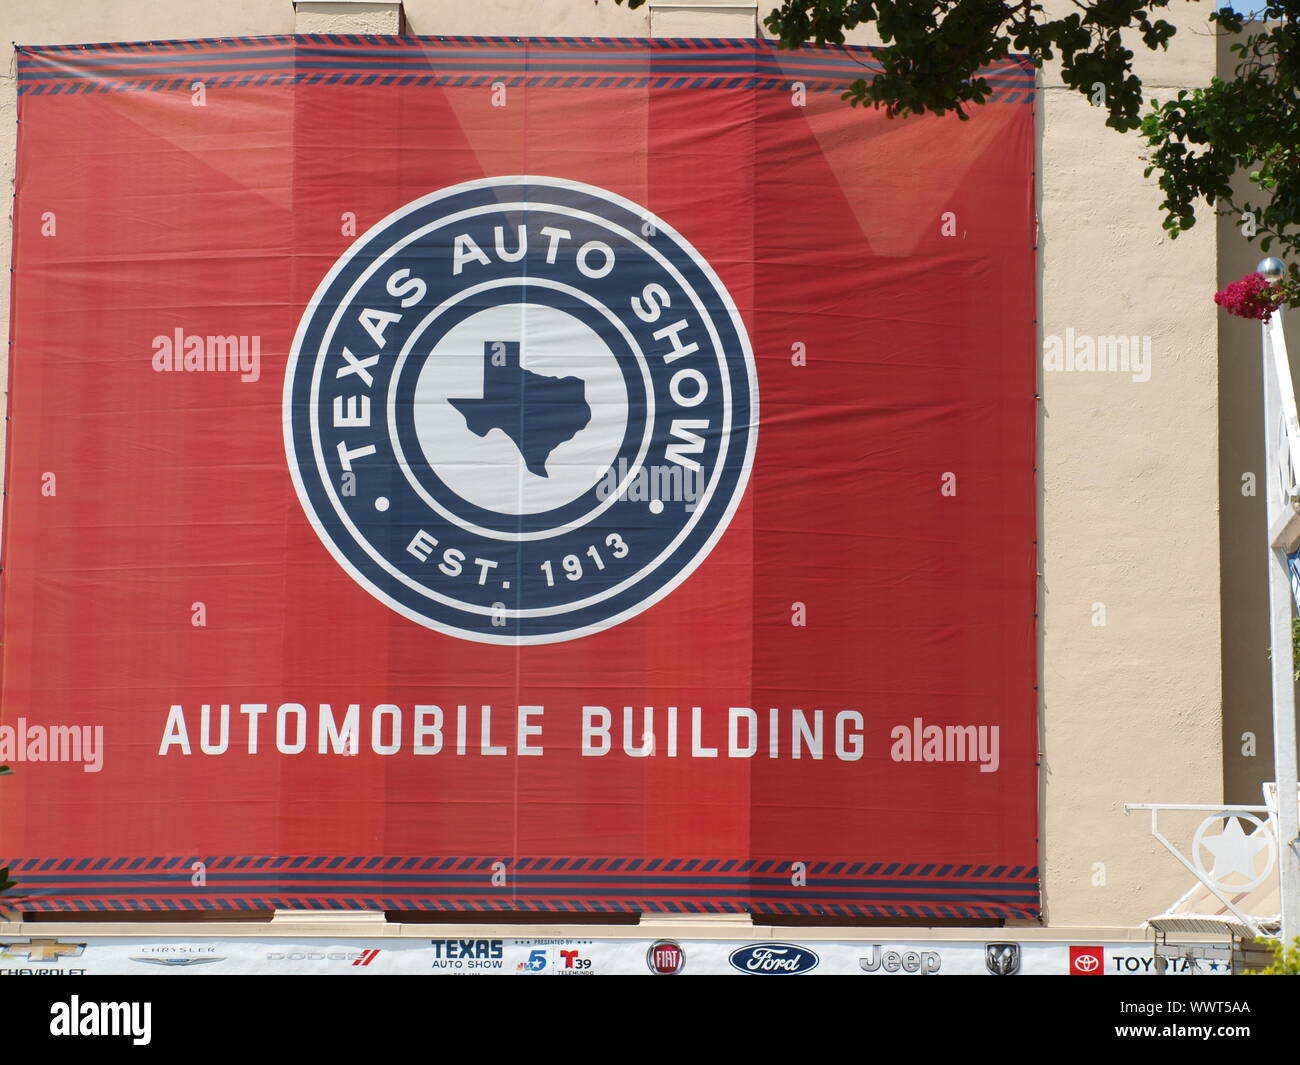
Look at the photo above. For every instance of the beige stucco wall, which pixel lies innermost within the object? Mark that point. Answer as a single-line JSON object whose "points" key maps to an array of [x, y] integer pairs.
{"points": [[1247, 678], [1130, 709], [1129, 471]]}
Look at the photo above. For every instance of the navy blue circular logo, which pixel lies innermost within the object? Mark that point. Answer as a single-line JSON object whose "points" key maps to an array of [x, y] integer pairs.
{"points": [[520, 410]]}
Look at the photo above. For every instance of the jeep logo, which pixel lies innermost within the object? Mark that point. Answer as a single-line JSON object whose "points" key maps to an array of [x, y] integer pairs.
{"points": [[879, 960]]}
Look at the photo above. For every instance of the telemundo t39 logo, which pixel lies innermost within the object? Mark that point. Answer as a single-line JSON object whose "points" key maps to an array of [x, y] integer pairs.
{"points": [[471, 376]]}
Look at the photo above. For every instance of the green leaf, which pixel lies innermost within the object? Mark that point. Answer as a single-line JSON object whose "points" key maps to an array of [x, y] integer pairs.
{"points": [[1195, 144]]}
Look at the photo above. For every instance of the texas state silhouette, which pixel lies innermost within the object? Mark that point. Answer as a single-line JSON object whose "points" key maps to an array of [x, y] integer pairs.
{"points": [[538, 413]]}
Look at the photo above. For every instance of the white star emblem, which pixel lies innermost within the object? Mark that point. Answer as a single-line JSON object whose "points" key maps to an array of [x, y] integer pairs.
{"points": [[1234, 851]]}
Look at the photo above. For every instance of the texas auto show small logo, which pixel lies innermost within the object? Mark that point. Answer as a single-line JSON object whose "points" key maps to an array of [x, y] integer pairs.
{"points": [[665, 957], [773, 959], [454, 955], [520, 410], [1087, 961]]}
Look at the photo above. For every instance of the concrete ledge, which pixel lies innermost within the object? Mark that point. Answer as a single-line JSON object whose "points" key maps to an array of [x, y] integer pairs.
{"points": [[703, 20], [374, 17]]}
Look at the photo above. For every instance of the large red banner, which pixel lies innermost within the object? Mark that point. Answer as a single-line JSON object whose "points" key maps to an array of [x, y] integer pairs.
{"points": [[495, 474]]}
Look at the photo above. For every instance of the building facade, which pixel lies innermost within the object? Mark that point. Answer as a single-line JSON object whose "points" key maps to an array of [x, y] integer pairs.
{"points": [[1151, 630]]}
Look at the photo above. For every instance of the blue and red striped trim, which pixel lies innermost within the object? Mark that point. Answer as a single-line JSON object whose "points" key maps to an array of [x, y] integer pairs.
{"points": [[568, 885], [546, 62]]}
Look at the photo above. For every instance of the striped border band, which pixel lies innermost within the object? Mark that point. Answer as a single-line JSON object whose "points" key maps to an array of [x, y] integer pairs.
{"points": [[545, 62], [567, 885]]}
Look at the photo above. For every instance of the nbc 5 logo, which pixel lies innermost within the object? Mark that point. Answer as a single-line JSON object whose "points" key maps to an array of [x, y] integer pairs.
{"points": [[520, 410]]}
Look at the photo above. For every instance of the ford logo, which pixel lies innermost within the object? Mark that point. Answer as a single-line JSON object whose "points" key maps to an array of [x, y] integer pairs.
{"points": [[778, 959]]}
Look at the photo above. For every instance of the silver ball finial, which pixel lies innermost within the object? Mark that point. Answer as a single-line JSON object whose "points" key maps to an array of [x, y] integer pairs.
{"points": [[1271, 270]]}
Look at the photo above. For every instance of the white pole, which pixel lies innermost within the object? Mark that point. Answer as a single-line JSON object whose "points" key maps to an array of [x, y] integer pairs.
{"points": [[1276, 376]]}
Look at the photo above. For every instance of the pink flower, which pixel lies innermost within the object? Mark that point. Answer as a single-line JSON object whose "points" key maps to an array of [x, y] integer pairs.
{"points": [[1251, 297]]}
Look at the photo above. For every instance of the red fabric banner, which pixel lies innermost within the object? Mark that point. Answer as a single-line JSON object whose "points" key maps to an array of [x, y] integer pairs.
{"points": [[502, 474]]}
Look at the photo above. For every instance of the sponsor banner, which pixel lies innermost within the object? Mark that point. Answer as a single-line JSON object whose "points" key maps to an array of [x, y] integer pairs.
{"points": [[522, 956], [518, 474]]}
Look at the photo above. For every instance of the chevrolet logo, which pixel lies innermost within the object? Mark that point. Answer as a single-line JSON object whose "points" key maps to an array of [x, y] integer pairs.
{"points": [[41, 950]]}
